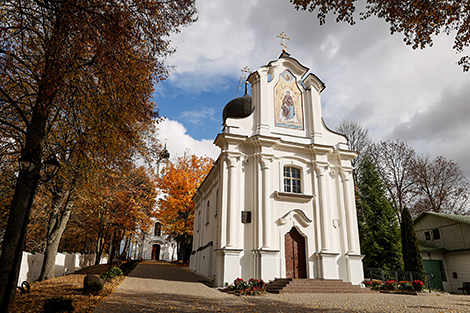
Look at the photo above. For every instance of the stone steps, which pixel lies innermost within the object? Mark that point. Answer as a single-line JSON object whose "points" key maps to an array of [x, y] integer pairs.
{"points": [[297, 285]]}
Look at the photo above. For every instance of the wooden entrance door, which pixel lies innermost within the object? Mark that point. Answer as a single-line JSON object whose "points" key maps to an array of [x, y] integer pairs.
{"points": [[156, 252], [295, 254]]}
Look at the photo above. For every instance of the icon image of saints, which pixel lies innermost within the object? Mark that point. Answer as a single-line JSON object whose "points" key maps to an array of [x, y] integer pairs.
{"points": [[288, 102], [287, 107], [287, 77]]}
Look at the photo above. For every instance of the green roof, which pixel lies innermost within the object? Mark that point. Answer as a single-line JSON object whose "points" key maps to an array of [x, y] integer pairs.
{"points": [[459, 218]]}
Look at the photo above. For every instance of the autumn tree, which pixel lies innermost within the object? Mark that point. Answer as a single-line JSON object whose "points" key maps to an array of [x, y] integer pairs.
{"points": [[418, 21], [113, 205], [47, 46], [177, 186], [440, 185]]}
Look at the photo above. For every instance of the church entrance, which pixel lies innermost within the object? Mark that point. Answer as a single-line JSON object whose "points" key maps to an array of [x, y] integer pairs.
{"points": [[156, 252], [295, 254]]}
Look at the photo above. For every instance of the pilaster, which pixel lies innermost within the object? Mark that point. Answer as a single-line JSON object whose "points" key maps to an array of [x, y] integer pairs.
{"points": [[232, 199], [350, 210], [325, 217], [265, 164]]}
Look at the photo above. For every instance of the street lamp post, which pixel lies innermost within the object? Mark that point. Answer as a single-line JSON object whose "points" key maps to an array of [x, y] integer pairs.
{"points": [[50, 168]]}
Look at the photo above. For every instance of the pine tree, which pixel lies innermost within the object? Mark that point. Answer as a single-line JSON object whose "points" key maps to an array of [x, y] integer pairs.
{"points": [[410, 248], [379, 232]]}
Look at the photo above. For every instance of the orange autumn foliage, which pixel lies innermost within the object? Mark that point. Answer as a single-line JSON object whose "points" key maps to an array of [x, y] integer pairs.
{"points": [[177, 185]]}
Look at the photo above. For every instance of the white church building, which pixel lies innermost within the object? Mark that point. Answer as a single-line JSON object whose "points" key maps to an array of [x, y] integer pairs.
{"points": [[279, 201]]}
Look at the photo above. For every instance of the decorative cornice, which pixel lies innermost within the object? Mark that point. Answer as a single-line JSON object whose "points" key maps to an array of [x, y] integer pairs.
{"points": [[313, 80], [298, 215], [300, 197]]}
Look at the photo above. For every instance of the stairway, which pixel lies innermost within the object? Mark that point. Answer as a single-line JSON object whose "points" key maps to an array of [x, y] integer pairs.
{"points": [[297, 285]]}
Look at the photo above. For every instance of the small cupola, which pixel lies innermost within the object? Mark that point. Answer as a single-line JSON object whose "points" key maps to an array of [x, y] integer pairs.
{"points": [[240, 107]]}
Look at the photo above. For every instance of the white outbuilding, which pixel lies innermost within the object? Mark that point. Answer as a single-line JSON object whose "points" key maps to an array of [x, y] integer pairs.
{"points": [[279, 201]]}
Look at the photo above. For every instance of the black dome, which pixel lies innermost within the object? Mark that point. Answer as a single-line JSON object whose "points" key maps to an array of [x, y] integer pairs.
{"points": [[238, 107]]}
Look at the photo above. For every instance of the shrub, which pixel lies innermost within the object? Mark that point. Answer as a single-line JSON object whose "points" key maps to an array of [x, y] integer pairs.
{"points": [[128, 266], [376, 284], [373, 284], [93, 287], [116, 271], [106, 276], [58, 304], [256, 286], [405, 286], [251, 287], [390, 285], [418, 285]]}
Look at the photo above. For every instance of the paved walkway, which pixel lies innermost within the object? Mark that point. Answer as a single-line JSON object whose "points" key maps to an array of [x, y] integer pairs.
{"points": [[162, 287]]}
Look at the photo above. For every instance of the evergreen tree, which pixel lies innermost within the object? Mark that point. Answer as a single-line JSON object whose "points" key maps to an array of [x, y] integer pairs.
{"points": [[379, 232], [411, 254]]}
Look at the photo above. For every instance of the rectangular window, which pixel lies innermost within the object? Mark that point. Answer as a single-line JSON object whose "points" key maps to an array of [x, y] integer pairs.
{"points": [[436, 234], [292, 179], [427, 235]]}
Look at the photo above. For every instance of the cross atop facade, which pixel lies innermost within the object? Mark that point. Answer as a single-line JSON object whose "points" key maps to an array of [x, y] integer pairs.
{"points": [[283, 36]]}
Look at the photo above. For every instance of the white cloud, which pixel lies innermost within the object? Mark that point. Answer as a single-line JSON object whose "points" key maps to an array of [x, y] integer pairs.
{"points": [[178, 141], [197, 117], [371, 76]]}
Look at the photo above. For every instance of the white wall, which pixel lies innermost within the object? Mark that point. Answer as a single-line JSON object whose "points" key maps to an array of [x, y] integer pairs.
{"points": [[31, 264], [459, 263]]}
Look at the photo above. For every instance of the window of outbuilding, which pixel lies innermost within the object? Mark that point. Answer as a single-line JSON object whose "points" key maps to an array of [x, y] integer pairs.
{"points": [[292, 179], [433, 234], [427, 235]]}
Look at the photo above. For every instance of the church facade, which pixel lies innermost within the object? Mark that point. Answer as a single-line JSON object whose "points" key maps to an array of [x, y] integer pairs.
{"points": [[279, 201]]}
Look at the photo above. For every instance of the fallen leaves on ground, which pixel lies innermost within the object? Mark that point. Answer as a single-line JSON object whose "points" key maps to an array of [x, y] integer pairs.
{"points": [[70, 286]]}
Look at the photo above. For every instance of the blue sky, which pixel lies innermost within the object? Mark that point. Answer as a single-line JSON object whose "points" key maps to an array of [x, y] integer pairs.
{"points": [[199, 112], [372, 77]]}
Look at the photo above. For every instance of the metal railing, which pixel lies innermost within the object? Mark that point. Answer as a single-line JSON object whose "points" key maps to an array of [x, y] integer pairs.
{"points": [[386, 275]]}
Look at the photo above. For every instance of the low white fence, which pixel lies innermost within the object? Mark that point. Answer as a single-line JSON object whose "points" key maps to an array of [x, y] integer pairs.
{"points": [[31, 264]]}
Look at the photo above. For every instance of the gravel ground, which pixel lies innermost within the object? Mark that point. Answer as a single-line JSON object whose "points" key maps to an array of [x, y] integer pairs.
{"points": [[162, 287]]}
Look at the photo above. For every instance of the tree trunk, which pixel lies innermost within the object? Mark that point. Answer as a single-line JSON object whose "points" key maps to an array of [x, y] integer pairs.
{"points": [[111, 250], [126, 248], [51, 79], [59, 218], [99, 243], [15, 236], [25, 190]]}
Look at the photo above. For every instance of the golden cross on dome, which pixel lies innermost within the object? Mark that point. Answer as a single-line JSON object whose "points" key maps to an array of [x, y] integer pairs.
{"points": [[243, 76], [245, 71], [283, 36]]}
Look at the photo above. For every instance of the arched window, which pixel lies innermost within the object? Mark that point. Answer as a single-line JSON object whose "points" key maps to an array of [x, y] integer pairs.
{"points": [[216, 203], [292, 179], [198, 220], [158, 229], [208, 212]]}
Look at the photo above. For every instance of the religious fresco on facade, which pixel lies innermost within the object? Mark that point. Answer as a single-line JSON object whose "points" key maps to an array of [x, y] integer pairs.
{"points": [[288, 109]]}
